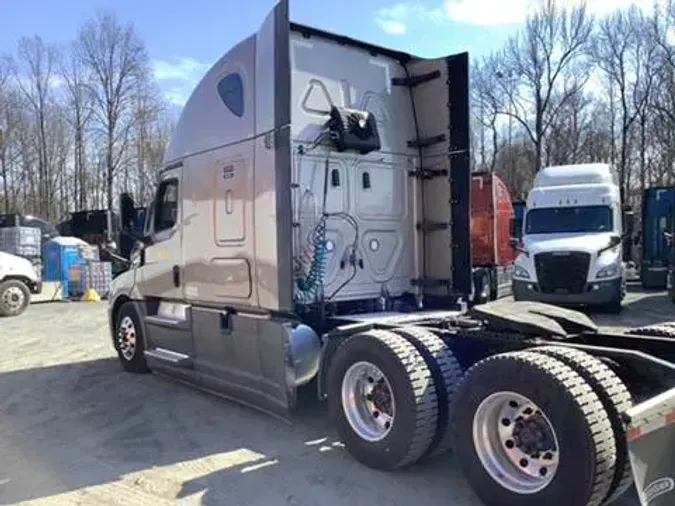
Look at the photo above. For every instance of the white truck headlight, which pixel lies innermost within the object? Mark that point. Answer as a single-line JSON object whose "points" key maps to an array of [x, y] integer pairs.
{"points": [[519, 272], [607, 272]]}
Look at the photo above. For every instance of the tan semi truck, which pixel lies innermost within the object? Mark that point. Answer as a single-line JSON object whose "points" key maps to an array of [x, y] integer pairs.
{"points": [[311, 229]]}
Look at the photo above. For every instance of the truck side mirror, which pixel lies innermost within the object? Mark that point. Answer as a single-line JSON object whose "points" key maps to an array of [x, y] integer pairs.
{"points": [[628, 221], [127, 212]]}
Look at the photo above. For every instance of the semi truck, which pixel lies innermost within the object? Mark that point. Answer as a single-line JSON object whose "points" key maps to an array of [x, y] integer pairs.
{"points": [[571, 249], [311, 230], [658, 214], [492, 217]]}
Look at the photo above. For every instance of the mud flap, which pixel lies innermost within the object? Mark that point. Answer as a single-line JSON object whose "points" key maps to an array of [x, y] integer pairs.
{"points": [[651, 445]]}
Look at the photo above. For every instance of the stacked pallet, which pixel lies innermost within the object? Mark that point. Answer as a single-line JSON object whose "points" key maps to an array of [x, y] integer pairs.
{"points": [[91, 275], [25, 242]]}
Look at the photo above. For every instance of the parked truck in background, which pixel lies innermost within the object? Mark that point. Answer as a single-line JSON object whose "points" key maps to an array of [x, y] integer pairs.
{"points": [[658, 214], [571, 250], [311, 229], [18, 280], [491, 225]]}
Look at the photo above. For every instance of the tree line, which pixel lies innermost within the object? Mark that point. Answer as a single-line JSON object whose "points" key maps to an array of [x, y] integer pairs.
{"points": [[570, 87], [82, 122], [79, 123]]}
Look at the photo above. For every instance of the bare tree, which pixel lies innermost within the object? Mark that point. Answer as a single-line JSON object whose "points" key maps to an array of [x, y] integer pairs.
{"points": [[624, 54], [549, 67], [117, 59], [79, 112], [35, 77]]}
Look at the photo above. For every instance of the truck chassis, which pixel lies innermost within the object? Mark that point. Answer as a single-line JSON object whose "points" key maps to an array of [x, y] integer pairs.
{"points": [[531, 397]]}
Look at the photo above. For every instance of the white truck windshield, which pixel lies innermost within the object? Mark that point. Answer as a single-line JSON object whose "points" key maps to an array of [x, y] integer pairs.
{"points": [[561, 220]]}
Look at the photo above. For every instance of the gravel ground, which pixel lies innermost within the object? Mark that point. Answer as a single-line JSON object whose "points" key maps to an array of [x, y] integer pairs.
{"points": [[75, 430]]}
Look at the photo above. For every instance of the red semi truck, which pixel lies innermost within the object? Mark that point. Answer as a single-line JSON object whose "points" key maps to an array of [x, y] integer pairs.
{"points": [[491, 223]]}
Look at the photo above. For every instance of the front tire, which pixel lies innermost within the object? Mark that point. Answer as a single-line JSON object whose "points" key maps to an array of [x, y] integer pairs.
{"points": [[129, 340], [14, 297], [382, 399], [530, 431]]}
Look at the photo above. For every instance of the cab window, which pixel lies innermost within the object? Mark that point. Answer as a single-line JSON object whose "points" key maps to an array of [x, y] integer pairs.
{"points": [[165, 212]]}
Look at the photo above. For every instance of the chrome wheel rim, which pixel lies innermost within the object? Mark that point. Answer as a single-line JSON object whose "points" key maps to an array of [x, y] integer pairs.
{"points": [[368, 401], [13, 298], [516, 442], [126, 338]]}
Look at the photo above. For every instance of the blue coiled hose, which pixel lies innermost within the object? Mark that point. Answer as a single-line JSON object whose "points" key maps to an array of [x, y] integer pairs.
{"points": [[311, 285]]}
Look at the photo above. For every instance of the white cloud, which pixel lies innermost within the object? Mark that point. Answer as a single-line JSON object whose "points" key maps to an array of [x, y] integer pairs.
{"points": [[399, 17], [178, 77], [183, 69]]}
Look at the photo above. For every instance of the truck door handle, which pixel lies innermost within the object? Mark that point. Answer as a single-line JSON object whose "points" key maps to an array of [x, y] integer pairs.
{"points": [[176, 276]]}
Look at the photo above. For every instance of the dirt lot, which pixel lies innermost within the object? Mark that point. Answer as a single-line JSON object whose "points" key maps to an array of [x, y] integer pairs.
{"points": [[75, 430]]}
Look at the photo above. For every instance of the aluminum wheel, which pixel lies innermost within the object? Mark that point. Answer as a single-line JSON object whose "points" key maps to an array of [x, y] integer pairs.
{"points": [[126, 338], [516, 442], [368, 401], [13, 298]]}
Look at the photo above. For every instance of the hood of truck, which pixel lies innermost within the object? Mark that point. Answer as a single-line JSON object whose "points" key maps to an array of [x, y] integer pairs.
{"points": [[589, 243], [12, 265]]}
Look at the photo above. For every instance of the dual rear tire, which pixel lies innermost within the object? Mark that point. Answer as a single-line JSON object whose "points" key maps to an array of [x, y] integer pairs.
{"points": [[542, 426]]}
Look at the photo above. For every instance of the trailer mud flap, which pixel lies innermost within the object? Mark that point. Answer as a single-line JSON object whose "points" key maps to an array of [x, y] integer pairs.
{"points": [[651, 446]]}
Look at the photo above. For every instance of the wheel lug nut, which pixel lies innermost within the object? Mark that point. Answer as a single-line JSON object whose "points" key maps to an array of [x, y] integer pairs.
{"points": [[513, 404], [506, 422], [543, 471], [523, 462], [548, 456], [527, 411], [370, 379], [387, 425], [376, 414], [510, 444]]}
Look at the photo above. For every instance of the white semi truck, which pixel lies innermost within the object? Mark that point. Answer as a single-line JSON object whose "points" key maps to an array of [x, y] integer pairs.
{"points": [[18, 280], [571, 250], [311, 230]]}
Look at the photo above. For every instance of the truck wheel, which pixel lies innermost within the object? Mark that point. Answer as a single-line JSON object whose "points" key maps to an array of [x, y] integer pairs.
{"points": [[14, 297], [616, 400], [482, 287], [382, 399], [530, 431], [446, 373], [129, 340]]}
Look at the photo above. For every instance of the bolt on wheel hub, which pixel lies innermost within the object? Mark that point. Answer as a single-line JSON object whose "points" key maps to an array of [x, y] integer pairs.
{"points": [[515, 442]]}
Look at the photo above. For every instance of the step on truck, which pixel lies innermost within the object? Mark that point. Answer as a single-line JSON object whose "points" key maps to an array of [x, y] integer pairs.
{"points": [[311, 230]]}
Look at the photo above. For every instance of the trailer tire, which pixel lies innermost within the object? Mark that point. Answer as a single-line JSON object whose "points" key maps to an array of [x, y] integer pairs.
{"points": [[615, 398], [129, 340], [14, 297], [446, 373], [357, 416], [522, 391]]}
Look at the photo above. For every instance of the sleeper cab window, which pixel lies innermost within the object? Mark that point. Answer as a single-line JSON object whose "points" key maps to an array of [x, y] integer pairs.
{"points": [[166, 209], [231, 91]]}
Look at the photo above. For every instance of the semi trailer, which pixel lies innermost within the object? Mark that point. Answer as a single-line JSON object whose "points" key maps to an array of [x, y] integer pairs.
{"points": [[311, 230], [658, 220]]}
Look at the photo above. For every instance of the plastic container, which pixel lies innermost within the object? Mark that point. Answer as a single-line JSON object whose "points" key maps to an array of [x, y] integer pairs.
{"points": [[60, 254], [651, 446]]}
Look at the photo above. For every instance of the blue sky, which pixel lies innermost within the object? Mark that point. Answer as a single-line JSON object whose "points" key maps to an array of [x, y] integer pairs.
{"points": [[185, 37]]}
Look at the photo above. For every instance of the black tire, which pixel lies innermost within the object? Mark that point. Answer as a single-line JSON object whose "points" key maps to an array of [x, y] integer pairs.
{"points": [[494, 284], [8, 307], [671, 288], [615, 306], [414, 395], [481, 287], [446, 372], [616, 400], [584, 433], [135, 363]]}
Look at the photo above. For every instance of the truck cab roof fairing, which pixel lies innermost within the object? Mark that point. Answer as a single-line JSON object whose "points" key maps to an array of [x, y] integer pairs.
{"points": [[207, 120]]}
